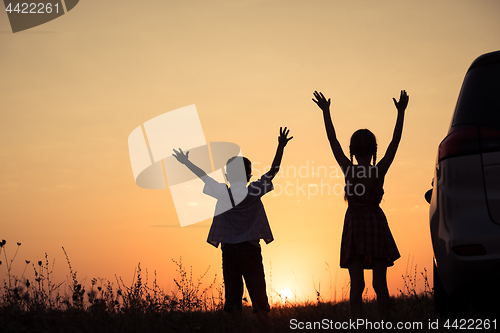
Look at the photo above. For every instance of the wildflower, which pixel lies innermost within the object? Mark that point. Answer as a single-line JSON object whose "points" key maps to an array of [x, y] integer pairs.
{"points": [[39, 263], [2, 243], [16, 293], [91, 296], [0, 262], [27, 262], [18, 244], [27, 283]]}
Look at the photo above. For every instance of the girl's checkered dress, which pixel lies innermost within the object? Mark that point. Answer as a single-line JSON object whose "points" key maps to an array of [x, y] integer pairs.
{"points": [[366, 232]]}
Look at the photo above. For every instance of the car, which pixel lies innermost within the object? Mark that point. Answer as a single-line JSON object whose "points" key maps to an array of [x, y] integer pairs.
{"points": [[464, 211]]}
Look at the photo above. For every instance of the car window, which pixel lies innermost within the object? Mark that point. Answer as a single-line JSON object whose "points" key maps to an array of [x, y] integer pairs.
{"points": [[479, 100]]}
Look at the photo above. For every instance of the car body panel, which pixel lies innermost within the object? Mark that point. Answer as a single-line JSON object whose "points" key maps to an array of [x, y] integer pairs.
{"points": [[492, 184], [465, 202]]}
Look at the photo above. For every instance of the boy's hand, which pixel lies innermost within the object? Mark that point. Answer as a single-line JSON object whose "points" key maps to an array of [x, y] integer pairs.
{"points": [[181, 156], [283, 138], [403, 101], [321, 101]]}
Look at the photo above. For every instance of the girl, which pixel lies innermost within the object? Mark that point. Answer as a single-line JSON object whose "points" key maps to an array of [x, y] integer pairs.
{"points": [[367, 242]]}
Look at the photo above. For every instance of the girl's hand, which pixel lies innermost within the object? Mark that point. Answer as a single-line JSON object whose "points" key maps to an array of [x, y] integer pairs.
{"points": [[283, 139], [403, 101], [181, 156], [321, 101]]}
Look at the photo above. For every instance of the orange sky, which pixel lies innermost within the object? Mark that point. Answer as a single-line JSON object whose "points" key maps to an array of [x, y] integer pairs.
{"points": [[73, 89]]}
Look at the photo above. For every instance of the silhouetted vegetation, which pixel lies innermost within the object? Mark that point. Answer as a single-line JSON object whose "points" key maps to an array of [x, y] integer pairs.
{"points": [[39, 305]]}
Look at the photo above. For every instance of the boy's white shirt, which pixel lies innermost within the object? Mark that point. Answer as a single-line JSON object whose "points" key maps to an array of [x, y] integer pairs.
{"points": [[239, 191]]}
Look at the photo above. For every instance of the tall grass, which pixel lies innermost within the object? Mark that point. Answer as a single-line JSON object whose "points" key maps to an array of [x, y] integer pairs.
{"points": [[34, 303], [42, 294], [113, 305]]}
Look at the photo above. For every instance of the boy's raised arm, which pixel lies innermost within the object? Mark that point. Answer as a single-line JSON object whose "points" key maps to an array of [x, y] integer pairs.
{"points": [[183, 158], [282, 141], [324, 105]]}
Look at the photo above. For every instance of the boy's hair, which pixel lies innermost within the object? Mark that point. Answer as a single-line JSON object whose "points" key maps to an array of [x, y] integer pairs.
{"points": [[363, 142], [235, 161]]}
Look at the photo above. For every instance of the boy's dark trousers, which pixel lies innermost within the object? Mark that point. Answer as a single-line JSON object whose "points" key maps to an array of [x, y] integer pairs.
{"points": [[244, 260]]}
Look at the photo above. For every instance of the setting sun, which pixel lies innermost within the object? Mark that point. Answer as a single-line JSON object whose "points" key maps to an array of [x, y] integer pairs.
{"points": [[74, 89], [285, 293]]}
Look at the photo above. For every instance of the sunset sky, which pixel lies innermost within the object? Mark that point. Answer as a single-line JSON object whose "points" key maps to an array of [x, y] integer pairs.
{"points": [[73, 89]]}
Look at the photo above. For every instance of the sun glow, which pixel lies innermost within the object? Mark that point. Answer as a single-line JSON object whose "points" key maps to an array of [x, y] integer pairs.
{"points": [[285, 293]]}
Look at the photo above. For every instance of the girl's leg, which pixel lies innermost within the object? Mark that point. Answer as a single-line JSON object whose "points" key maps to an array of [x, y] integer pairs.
{"points": [[355, 267], [380, 285]]}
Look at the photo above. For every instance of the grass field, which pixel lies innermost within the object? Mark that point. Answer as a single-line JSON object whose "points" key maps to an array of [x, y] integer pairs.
{"points": [[37, 304]]}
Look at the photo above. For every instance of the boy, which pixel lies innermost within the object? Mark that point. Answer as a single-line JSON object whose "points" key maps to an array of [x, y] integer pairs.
{"points": [[239, 223]]}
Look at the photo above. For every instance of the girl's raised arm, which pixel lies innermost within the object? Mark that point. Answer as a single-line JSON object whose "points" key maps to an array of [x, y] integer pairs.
{"points": [[324, 105], [386, 161]]}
